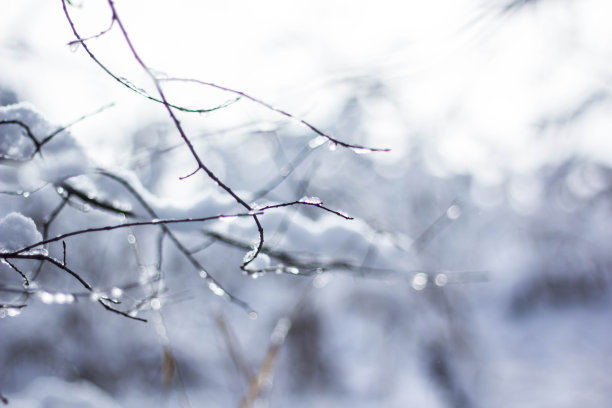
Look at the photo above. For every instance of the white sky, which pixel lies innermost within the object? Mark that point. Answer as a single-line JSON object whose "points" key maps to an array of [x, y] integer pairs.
{"points": [[466, 79]]}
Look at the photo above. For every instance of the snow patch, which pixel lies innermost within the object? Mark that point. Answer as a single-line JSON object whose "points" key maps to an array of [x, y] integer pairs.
{"points": [[17, 231]]}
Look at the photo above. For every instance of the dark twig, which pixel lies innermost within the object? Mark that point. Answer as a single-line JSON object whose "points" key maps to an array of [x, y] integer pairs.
{"points": [[358, 148], [123, 81], [16, 269], [28, 132], [125, 225]]}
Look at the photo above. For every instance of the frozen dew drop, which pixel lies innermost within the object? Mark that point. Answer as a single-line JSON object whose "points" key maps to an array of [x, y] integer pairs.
{"points": [[60, 190], [74, 46], [95, 296], [63, 298], [26, 194], [133, 313], [453, 212], [155, 304], [253, 314], [292, 270], [361, 150], [46, 297], [419, 282], [316, 142], [116, 292], [441, 279], [216, 289], [203, 274], [155, 221], [332, 146], [131, 239], [13, 311]]}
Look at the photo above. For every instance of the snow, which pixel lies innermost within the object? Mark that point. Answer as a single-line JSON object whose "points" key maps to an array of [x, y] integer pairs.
{"points": [[476, 272], [17, 231]]}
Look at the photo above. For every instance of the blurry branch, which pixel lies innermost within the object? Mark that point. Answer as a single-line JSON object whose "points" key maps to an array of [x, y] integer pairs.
{"points": [[263, 378], [233, 348], [289, 261], [355, 147], [444, 220], [293, 165], [74, 122], [170, 367]]}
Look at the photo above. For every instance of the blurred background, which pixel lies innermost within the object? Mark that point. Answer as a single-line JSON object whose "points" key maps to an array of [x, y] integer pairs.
{"points": [[483, 240]]}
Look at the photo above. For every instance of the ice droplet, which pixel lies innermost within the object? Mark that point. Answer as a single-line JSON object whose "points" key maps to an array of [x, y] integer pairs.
{"points": [[253, 314], [441, 279], [26, 194], [453, 212], [155, 304], [332, 146], [46, 297], [216, 289], [74, 46], [228, 218], [361, 150], [9, 312], [292, 270], [63, 298], [116, 292], [95, 296], [317, 141], [203, 274], [13, 311], [419, 282], [131, 239]]}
